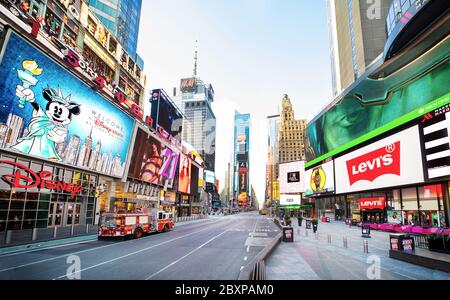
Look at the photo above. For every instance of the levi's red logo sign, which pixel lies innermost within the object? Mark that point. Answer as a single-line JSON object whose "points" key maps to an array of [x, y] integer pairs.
{"points": [[372, 203], [372, 165]]}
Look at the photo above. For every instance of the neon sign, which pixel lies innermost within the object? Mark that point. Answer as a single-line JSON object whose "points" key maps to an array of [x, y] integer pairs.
{"points": [[25, 178]]}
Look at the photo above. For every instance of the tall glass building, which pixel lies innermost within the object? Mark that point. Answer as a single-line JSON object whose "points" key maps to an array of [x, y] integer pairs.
{"points": [[199, 124], [122, 18], [241, 188]]}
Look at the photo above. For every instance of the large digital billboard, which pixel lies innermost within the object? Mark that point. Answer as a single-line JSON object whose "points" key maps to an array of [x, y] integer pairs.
{"points": [[166, 114], [320, 180], [393, 161], [48, 113], [292, 177], [376, 105], [152, 161], [184, 182], [435, 135]]}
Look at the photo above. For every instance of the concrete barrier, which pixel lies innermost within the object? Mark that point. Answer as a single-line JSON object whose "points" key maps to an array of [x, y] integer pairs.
{"points": [[255, 269]]}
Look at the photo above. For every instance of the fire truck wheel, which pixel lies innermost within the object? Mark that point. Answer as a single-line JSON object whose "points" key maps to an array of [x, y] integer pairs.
{"points": [[138, 233], [166, 228]]}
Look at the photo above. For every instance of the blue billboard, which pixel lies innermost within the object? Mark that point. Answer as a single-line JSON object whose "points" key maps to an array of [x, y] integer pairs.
{"points": [[48, 113]]}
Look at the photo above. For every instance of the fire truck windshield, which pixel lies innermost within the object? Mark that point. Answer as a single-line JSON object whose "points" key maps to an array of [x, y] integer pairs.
{"points": [[110, 222]]}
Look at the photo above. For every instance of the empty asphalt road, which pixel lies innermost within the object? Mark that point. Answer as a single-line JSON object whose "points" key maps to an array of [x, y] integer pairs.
{"points": [[215, 249]]}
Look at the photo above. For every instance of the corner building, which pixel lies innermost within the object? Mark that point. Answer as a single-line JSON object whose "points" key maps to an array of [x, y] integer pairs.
{"points": [[379, 153]]}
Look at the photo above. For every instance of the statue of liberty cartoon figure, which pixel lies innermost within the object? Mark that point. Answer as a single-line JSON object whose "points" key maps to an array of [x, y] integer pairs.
{"points": [[48, 126]]}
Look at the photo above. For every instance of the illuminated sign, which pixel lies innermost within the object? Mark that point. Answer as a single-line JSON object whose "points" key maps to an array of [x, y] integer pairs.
{"points": [[25, 178], [392, 161], [49, 113], [188, 84]]}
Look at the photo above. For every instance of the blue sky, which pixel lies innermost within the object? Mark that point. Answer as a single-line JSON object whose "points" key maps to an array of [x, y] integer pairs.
{"points": [[252, 52]]}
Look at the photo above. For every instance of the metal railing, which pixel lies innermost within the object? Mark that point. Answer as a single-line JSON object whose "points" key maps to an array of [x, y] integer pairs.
{"points": [[421, 241], [189, 218]]}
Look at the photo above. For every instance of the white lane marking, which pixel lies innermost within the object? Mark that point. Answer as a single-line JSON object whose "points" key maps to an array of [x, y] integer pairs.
{"points": [[76, 243], [248, 249], [183, 257], [242, 268], [53, 258], [245, 258], [132, 253], [65, 255]]}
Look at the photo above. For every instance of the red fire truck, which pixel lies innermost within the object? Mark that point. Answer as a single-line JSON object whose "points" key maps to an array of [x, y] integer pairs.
{"points": [[135, 224]]}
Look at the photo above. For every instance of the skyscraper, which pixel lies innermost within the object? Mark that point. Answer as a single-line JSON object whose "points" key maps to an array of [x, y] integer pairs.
{"points": [[241, 188], [199, 125], [273, 124], [357, 37], [292, 134], [122, 18]]}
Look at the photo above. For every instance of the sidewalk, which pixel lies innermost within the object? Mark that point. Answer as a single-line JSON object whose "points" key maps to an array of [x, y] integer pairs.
{"points": [[313, 257]]}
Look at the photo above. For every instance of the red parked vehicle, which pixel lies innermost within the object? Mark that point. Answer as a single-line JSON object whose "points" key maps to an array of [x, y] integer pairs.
{"points": [[135, 224]]}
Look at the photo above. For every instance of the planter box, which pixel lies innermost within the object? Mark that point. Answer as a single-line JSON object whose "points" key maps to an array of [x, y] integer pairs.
{"points": [[439, 244]]}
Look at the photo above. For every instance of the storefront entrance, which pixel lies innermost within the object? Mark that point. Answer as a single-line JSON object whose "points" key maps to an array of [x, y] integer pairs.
{"points": [[373, 216], [64, 214]]}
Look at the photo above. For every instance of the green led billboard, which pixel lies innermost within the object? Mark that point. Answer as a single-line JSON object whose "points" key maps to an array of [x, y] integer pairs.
{"points": [[375, 106]]}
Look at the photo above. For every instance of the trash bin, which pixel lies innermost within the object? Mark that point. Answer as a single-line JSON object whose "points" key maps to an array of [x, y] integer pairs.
{"points": [[402, 242], [288, 234]]}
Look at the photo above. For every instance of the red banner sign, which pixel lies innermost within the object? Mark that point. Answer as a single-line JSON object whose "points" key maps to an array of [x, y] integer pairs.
{"points": [[372, 165], [25, 178], [372, 203]]}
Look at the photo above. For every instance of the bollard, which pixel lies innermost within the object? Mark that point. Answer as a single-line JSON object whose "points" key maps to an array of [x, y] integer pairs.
{"points": [[344, 241], [306, 233], [55, 232], [34, 236], [298, 230], [8, 237], [71, 230], [329, 239], [87, 228], [366, 246]]}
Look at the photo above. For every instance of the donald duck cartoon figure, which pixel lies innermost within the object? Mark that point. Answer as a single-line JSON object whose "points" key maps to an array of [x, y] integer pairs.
{"points": [[48, 126]]}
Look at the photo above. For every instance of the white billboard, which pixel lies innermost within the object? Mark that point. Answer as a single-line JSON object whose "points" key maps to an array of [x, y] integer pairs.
{"points": [[393, 161], [320, 179], [289, 200], [292, 177]]}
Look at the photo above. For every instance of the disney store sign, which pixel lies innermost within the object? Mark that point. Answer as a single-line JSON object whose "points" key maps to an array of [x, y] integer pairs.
{"points": [[25, 178]]}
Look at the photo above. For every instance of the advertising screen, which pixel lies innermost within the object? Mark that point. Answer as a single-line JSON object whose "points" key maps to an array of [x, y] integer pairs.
{"points": [[48, 113], [320, 179], [184, 183], [292, 177], [435, 129], [152, 161], [290, 200], [194, 180], [393, 161], [165, 114], [374, 107]]}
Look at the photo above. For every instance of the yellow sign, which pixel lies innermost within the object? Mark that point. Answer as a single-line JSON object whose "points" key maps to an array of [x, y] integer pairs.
{"points": [[318, 180]]}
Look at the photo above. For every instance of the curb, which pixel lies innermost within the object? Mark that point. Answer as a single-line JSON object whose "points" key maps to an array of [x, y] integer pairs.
{"points": [[47, 244]]}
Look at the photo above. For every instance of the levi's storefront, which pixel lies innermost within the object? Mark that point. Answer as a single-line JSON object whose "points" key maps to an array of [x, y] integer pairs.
{"points": [[384, 183]]}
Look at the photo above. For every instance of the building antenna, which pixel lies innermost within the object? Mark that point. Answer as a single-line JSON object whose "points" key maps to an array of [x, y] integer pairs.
{"points": [[195, 58]]}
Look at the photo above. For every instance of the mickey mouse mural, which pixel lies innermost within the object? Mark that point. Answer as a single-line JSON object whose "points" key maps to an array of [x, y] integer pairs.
{"points": [[49, 125]]}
